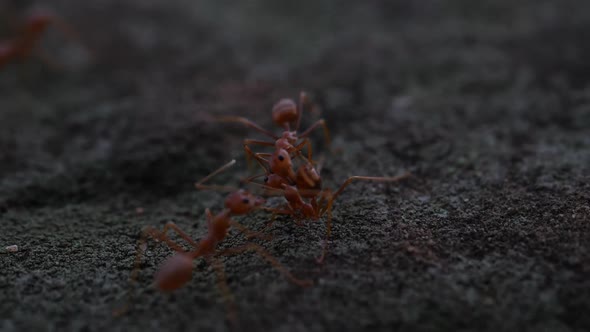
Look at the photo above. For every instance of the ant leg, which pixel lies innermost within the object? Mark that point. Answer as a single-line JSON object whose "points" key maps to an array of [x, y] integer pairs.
{"points": [[249, 233], [270, 191], [183, 234], [199, 185], [269, 258], [142, 247], [228, 298], [299, 147], [251, 179], [322, 123], [368, 178], [248, 123], [250, 154], [320, 260], [275, 213], [332, 197], [258, 142], [303, 99], [159, 236]]}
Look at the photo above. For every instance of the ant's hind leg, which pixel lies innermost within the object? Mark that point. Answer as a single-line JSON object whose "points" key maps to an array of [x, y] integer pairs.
{"points": [[249, 233], [150, 232], [369, 178], [228, 297], [328, 209], [160, 236], [319, 123], [247, 123], [269, 258]]}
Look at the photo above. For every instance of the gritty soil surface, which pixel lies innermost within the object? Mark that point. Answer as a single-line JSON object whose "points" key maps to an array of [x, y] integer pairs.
{"points": [[486, 102]]}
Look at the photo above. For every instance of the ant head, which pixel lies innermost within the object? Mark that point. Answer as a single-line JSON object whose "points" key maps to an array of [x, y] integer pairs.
{"points": [[174, 272], [284, 112], [308, 180], [275, 181], [242, 202], [281, 163]]}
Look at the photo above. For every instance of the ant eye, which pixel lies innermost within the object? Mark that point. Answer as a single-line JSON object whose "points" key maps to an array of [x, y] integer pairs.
{"points": [[281, 158], [246, 201]]}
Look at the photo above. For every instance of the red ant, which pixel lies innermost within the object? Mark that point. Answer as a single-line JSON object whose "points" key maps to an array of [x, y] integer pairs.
{"points": [[284, 114], [176, 271], [22, 46], [306, 183]]}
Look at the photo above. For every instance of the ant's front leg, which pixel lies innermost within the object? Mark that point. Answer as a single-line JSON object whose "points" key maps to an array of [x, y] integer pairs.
{"points": [[159, 236], [257, 156], [249, 233], [269, 258], [228, 298], [247, 123], [319, 123]]}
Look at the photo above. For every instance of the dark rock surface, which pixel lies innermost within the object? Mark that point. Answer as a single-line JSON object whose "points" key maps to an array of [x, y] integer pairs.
{"points": [[486, 102]]}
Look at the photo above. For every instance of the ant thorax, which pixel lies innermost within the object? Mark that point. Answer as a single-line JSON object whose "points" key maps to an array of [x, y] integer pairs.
{"points": [[287, 141]]}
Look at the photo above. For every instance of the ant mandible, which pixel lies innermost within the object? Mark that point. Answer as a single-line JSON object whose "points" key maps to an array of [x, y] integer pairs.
{"points": [[176, 271]]}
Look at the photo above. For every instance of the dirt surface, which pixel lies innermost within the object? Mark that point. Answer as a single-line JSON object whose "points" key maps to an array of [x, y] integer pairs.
{"points": [[486, 102]]}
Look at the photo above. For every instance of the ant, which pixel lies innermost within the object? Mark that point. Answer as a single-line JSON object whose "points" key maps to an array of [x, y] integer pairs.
{"points": [[22, 46], [306, 183], [285, 113], [176, 271]]}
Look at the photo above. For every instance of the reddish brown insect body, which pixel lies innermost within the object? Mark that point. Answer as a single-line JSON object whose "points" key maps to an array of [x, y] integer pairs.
{"points": [[23, 45], [302, 189], [176, 271], [285, 114]]}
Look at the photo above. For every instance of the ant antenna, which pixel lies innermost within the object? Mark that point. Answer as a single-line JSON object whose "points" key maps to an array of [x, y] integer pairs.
{"points": [[199, 185], [302, 99]]}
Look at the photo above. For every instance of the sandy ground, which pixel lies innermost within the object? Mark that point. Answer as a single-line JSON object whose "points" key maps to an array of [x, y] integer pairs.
{"points": [[487, 103]]}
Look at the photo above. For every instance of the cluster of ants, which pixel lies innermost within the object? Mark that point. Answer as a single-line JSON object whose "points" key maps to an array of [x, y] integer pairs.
{"points": [[288, 171], [300, 186]]}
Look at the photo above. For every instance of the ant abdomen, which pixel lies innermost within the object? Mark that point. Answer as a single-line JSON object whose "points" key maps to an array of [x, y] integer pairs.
{"points": [[174, 272], [284, 112]]}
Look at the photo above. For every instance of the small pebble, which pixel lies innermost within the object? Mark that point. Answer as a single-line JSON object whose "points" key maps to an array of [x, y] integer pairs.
{"points": [[11, 249]]}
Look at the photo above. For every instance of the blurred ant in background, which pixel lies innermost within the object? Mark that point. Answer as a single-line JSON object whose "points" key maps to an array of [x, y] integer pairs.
{"points": [[25, 42]]}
